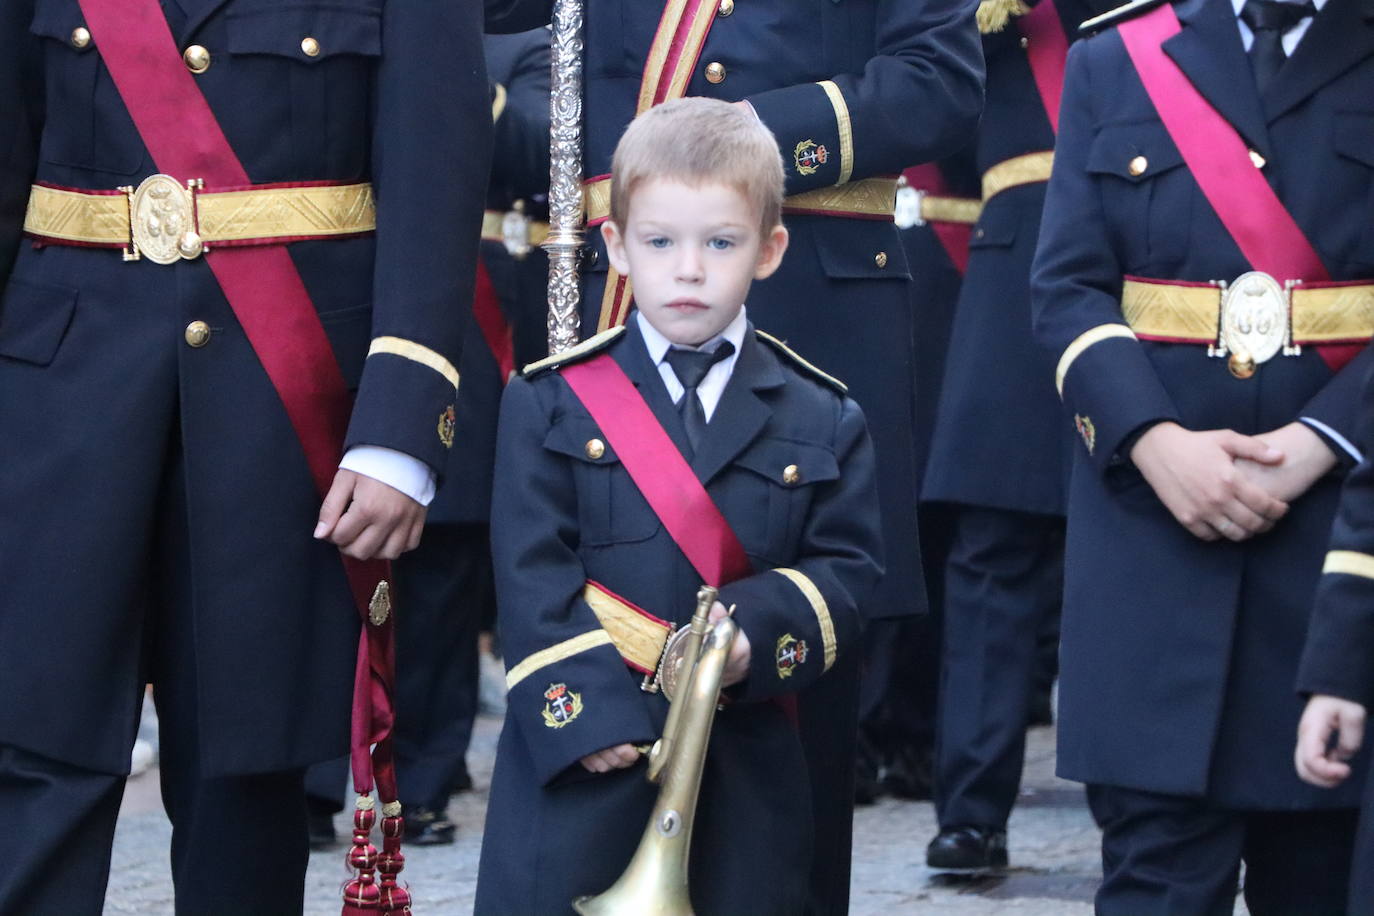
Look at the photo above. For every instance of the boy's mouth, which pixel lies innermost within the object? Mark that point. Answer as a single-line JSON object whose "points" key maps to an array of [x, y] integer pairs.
{"points": [[687, 305]]}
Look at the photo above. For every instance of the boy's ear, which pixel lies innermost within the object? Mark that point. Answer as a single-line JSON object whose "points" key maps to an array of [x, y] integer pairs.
{"points": [[771, 251], [615, 247]]}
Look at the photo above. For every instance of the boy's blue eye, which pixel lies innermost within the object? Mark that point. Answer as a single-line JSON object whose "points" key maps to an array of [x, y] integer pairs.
{"points": [[720, 244], [658, 241]]}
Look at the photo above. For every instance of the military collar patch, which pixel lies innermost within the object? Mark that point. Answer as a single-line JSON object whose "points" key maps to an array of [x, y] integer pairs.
{"points": [[789, 654], [561, 706]]}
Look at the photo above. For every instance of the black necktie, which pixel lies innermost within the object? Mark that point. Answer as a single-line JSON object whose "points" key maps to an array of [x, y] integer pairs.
{"points": [[1269, 20], [690, 367]]}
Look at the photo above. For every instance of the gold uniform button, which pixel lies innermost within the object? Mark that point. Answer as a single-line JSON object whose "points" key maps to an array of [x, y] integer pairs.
{"points": [[726, 7], [197, 334], [1257, 159], [880, 259], [791, 474], [595, 449], [715, 72], [1138, 166], [310, 46], [197, 59], [81, 37], [1025, 42]]}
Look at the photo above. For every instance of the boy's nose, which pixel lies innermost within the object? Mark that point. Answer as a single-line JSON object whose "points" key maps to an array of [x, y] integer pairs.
{"points": [[689, 266]]}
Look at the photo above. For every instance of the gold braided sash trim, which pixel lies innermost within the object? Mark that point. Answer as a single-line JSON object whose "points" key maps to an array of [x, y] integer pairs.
{"points": [[1188, 313], [638, 636], [867, 197], [493, 229], [1032, 168], [963, 210], [254, 214]]}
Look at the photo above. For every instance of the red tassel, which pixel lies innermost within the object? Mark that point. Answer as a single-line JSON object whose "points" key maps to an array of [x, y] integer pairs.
{"points": [[395, 898], [361, 896]]}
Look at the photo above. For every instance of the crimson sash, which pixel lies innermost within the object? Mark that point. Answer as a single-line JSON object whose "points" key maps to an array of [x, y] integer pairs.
{"points": [[1216, 154], [678, 498], [1047, 50], [270, 301], [486, 310]]}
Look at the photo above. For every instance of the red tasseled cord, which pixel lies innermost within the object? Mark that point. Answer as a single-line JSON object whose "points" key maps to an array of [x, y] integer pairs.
{"points": [[361, 895], [395, 898]]}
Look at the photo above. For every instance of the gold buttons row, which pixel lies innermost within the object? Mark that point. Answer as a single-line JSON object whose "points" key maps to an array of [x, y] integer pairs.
{"points": [[715, 70], [197, 334]]}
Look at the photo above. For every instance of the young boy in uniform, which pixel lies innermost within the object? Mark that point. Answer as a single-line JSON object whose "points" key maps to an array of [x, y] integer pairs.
{"points": [[589, 569]]}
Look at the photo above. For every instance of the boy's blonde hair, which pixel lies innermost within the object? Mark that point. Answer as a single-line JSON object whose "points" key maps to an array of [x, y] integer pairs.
{"points": [[697, 141]]}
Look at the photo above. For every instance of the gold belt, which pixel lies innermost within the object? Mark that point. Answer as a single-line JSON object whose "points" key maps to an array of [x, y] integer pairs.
{"points": [[1252, 317], [1032, 168], [866, 198], [963, 210], [513, 229], [165, 221]]}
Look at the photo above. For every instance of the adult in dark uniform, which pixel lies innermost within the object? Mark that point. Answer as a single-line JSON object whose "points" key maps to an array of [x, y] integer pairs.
{"points": [[937, 204], [1187, 587], [1003, 578], [1337, 670], [158, 507], [825, 78]]}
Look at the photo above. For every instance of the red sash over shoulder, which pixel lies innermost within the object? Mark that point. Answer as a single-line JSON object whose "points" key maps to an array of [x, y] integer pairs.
{"points": [[270, 301], [659, 470], [1047, 49], [1216, 154]]}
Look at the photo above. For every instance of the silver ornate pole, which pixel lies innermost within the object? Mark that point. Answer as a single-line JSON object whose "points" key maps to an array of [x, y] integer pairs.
{"points": [[565, 175]]}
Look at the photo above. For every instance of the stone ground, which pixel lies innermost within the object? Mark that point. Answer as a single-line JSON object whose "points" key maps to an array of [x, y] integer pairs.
{"points": [[1053, 842]]}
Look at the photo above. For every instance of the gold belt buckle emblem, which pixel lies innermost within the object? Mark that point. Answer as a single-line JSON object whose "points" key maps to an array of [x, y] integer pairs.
{"points": [[1254, 323], [515, 233], [162, 220]]}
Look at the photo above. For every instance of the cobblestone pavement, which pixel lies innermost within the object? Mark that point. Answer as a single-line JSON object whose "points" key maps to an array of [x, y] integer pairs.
{"points": [[1053, 846]]}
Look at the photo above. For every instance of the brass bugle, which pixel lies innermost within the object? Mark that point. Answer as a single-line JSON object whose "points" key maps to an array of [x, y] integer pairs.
{"points": [[655, 882]]}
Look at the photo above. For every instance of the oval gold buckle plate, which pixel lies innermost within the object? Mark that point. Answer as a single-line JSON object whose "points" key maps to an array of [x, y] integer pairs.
{"points": [[162, 220]]}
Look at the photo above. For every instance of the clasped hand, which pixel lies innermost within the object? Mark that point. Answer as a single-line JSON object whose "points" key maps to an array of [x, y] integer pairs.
{"points": [[369, 520], [736, 670], [1221, 484]]}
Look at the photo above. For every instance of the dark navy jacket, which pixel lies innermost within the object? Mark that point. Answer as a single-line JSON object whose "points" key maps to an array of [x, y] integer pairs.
{"points": [[910, 75], [519, 64], [1179, 656], [999, 441], [397, 95], [564, 514]]}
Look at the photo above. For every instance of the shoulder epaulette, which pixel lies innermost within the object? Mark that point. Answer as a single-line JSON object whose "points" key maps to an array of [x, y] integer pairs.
{"points": [[796, 359], [573, 354], [1118, 15], [993, 15]]}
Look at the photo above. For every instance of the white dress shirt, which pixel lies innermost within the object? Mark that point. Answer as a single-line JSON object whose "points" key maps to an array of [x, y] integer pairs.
{"points": [[396, 469], [713, 385]]}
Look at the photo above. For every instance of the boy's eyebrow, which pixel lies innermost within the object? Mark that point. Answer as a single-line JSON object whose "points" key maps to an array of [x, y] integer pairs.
{"points": [[654, 224]]}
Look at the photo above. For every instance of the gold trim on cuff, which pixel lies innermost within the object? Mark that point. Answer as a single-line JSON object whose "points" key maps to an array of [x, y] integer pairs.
{"points": [[409, 349], [1082, 342], [817, 601], [498, 103], [1350, 563], [556, 653], [844, 126], [937, 209]]}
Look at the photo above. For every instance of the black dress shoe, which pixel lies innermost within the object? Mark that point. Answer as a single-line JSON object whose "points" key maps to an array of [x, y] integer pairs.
{"points": [[429, 828], [1041, 709], [968, 849], [911, 773]]}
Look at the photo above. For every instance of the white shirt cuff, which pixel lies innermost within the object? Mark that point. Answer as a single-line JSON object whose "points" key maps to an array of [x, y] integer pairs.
{"points": [[1335, 437], [396, 469]]}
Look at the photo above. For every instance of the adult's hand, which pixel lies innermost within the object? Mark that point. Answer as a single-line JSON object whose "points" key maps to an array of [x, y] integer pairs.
{"points": [[368, 519]]}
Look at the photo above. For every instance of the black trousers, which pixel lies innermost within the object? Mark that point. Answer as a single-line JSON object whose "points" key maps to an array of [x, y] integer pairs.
{"points": [[238, 843], [1004, 578], [1163, 855]]}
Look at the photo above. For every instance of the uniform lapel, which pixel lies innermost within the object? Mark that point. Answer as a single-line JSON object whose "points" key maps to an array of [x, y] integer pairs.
{"points": [[741, 414], [1209, 51], [633, 357], [1340, 37]]}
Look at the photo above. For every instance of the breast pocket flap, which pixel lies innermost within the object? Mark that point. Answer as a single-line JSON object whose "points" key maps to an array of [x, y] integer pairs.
{"points": [[790, 463], [306, 33], [34, 319], [1134, 152]]}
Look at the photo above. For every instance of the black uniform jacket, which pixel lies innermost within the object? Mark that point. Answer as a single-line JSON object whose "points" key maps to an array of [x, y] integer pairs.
{"points": [[98, 387], [999, 441], [909, 77], [561, 517], [1179, 656]]}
